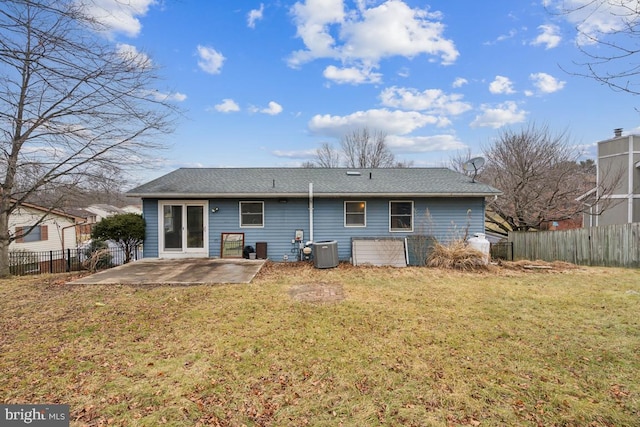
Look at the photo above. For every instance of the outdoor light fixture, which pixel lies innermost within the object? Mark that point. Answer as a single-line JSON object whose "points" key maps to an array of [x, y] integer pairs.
{"points": [[214, 210]]}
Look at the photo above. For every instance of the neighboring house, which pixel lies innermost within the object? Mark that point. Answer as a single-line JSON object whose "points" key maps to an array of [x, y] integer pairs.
{"points": [[55, 233], [133, 209], [618, 163], [563, 224], [83, 229], [103, 211], [199, 212]]}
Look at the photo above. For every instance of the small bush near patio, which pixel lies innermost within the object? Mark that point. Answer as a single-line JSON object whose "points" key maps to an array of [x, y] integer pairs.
{"points": [[344, 346]]}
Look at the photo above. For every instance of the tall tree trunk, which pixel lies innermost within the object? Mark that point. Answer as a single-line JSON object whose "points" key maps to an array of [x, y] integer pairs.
{"points": [[5, 271]]}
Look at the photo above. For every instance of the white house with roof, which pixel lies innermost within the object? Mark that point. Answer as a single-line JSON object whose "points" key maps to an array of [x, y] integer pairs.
{"points": [[56, 232], [103, 211], [200, 212]]}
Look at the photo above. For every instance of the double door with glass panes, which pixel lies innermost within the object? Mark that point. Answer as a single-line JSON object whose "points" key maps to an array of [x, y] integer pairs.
{"points": [[183, 228]]}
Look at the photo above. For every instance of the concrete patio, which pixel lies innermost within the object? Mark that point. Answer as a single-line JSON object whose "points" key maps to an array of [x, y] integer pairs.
{"points": [[188, 271]]}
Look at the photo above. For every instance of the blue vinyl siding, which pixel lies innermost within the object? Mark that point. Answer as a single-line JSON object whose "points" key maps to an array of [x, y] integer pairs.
{"points": [[150, 215], [447, 219], [281, 220]]}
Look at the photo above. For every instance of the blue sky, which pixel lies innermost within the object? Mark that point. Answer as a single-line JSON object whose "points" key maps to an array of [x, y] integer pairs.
{"points": [[266, 83]]}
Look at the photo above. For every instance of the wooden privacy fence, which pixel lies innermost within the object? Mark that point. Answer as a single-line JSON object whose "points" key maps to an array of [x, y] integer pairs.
{"points": [[607, 245]]}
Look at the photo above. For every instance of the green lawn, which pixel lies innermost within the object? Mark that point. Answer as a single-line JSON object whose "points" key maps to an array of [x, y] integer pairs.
{"points": [[393, 347]]}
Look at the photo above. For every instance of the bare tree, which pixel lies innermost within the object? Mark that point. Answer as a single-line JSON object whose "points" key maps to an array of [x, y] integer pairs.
{"points": [[610, 50], [363, 149], [327, 156], [359, 149], [457, 161], [540, 178], [73, 107]]}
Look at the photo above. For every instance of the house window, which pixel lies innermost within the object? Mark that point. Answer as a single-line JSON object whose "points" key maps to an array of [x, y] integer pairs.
{"points": [[251, 214], [355, 214], [400, 216], [34, 233]]}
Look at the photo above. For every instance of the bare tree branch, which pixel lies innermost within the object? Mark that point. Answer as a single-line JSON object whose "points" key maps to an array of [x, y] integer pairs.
{"points": [[73, 107], [365, 150], [327, 156], [359, 149], [540, 178], [610, 50]]}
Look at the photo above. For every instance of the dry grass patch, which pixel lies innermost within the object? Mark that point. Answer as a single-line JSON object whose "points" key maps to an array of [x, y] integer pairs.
{"points": [[456, 255], [406, 346]]}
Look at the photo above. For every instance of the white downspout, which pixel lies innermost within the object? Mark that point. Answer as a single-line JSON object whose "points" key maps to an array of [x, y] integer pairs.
{"points": [[630, 182], [311, 211]]}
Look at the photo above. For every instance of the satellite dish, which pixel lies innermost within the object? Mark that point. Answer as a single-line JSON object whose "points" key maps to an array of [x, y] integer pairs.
{"points": [[473, 165]]}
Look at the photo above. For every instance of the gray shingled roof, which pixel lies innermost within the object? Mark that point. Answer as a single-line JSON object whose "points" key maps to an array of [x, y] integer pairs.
{"points": [[328, 182]]}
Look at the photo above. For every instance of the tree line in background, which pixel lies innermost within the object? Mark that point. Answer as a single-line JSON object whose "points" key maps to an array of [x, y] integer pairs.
{"points": [[539, 173]]}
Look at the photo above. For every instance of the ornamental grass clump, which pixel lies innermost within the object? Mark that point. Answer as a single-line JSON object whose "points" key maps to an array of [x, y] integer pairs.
{"points": [[456, 255]]}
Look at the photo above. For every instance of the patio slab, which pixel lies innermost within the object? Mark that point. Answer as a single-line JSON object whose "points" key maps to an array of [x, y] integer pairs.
{"points": [[188, 271]]}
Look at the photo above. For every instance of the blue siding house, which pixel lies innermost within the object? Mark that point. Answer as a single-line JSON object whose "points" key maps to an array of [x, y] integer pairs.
{"points": [[216, 212]]}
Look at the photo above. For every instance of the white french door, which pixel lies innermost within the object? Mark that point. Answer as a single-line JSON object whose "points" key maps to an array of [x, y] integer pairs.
{"points": [[183, 228]]}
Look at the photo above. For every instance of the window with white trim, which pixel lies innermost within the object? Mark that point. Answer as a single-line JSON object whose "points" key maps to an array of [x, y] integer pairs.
{"points": [[355, 214], [401, 216], [251, 214]]}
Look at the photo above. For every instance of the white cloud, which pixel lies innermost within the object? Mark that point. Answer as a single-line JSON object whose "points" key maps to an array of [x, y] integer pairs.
{"points": [[351, 75], [503, 114], [363, 36], [294, 154], [117, 16], [434, 101], [595, 18], [273, 109], [390, 122], [133, 56], [459, 82], [546, 83], [161, 96], [423, 144], [227, 106], [313, 20], [512, 33], [404, 72], [255, 15], [548, 36], [393, 28], [501, 85], [210, 60]]}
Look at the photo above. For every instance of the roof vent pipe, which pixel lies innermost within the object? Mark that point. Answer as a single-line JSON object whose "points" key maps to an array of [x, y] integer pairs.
{"points": [[617, 132]]}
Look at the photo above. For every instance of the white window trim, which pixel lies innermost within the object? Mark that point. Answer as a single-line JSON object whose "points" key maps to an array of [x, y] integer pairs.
{"points": [[345, 214], [184, 252], [391, 230], [240, 214]]}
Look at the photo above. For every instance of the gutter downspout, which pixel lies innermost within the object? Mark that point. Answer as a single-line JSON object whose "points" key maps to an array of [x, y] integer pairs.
{"points": [[311, 211], [630, 182]]}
